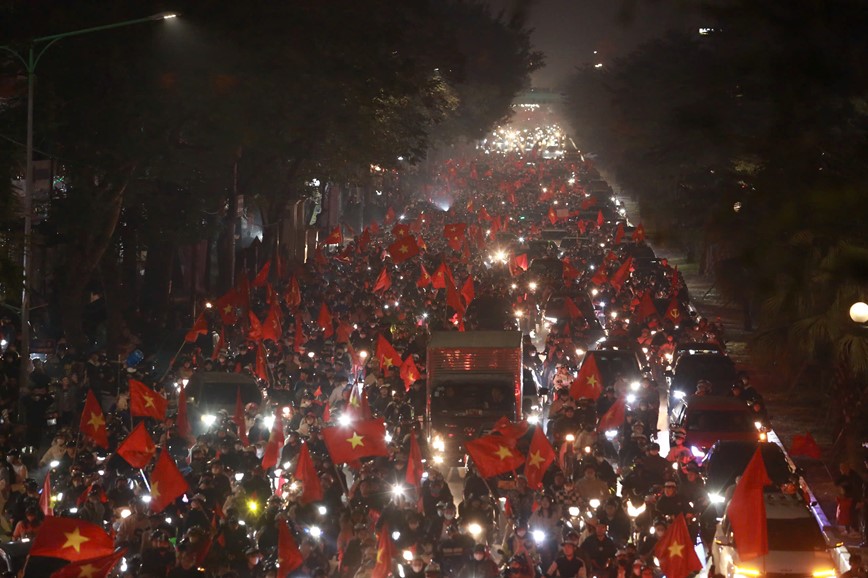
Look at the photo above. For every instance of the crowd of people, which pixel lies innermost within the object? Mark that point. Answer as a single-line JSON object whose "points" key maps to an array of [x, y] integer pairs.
{"points": [[601, 507]]}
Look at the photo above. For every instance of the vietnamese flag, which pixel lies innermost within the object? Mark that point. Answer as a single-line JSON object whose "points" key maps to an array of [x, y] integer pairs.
{"points": [[619, 234], [409, 372], [508, 429], [441, 276], [638, 233], [344, 332], [582, 226], [453, 299], [305, 472], [144, 401], [614, 418], [600, 276], [620, 276], [403, 249], [271, 328], [401, 230], [255, 333], [167, 483], [383, 564], [288, 555], [454, 234], [386, 353], [238, 418], [275, 443], [383, 281], [390, 216], [364, 240], [362, 439], [647, 309], [415, 467], [805, 446], [571, 273], [227, 305], [600, 219], [200, 327], [92, 567], [483, 214], [45, 496], [572, 309], [293, 294], [424, 278], [553, 216], [71, 539], [325, 321], [540, 456], [262, 277], [336, 237], [467, 290], [92, 423], [589, 382], [261, 362], [138, 448], [358, 407], [494, 455], [675, 551], [747, 510]]}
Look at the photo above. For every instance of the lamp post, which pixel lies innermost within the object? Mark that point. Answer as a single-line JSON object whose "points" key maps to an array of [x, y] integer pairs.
{"points": [[35, 51]]}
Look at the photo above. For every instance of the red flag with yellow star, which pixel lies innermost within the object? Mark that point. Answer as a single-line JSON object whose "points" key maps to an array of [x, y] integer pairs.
{"points": [[401, 230], [362, 439], [494, 455], [288, 555], [92, 423], [409, 372], [200, 327], [467, 290], [619, 234], [614, 418], [262, 277], [415, 467], [71, 539], [293, 294], [92, 567], [306, 473], [424, 278], [747, 510], [454, 234], [271, 327], [540, 456], [589, 382], [675, 551], [336, 237], [403, 249], [227, 305], [442, 276], [146, 402], [325, 321], [383, 281], [275, 443], [621, 275], [383, 565], [386, 354], [167, 483], [138, 448], [639, 233]]}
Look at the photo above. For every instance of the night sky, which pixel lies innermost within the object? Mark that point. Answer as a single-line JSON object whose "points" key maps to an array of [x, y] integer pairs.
{"points": [[569, 31]]}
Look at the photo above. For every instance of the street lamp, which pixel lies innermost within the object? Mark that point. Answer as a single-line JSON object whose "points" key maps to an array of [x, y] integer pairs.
{"points": [[30, 62]]}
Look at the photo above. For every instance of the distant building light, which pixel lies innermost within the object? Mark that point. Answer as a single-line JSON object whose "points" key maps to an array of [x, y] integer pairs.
{"points": [[598, 65], [706, 31]]}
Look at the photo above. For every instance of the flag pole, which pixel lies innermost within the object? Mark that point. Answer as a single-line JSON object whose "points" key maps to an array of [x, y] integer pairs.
{"points": [[145, 479]]}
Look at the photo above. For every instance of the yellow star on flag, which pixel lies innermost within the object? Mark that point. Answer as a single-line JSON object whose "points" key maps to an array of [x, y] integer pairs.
{"points": [[149, 401], [404, 249], [88, 571], [411, 376], [675, 550], [387, 362], [96, 421], [74, 540], [227, 310], [356, 440], [155, 490], [592, 380], [381, 554], [535, 459], [503, 452]]}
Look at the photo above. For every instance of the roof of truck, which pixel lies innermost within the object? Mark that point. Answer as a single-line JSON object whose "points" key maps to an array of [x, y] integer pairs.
{"points": [[446, 339]]}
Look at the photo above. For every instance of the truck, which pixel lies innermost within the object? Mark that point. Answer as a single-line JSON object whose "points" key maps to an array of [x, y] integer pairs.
{"points": [[474, 378]]}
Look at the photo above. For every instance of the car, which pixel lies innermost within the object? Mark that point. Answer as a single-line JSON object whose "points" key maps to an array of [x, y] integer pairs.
{"points": [[796, 544], [552, 152], [706, 419], [614, 362], [546, 271], [208, 392], [490, 313], [726, 460], [693, 348], [715, 368]]}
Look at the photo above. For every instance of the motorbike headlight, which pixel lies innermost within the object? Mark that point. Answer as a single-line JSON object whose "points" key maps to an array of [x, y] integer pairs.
{"points": [[678, 394], [268, 422], [635, 386], [407, 555], [438, 444], [611, 434], [538, 536], [632, 511], [345, 419], [209, 419], [716, 498], [533, 419], [474, 529], [315, 531], [73, 510], [594, 503], [697, 452], [574, 511], [322, 510], [125, 513], [53, 464], [570, 437]]}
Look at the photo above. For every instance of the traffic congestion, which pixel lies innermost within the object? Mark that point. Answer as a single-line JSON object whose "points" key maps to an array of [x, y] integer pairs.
{"points": [[499, 378]]}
